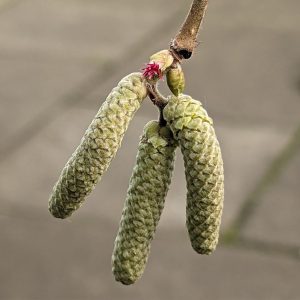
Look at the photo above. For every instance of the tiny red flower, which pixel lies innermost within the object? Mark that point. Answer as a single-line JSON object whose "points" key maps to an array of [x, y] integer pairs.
{"points": [[152, 71]]}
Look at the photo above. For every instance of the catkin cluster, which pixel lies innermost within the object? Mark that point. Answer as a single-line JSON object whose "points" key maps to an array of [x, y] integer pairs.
{"points": [[184, 123]]}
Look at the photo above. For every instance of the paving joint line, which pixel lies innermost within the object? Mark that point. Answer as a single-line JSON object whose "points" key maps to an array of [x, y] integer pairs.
{"points": [[274, 248], [233, 234], [8, 4], [98, 78]]}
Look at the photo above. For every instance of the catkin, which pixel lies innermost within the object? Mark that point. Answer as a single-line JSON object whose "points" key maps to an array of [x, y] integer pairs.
{"points": [[146, 194], [192, 127], [98, 146]]}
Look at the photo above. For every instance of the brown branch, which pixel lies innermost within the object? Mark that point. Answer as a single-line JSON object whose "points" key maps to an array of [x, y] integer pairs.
{"points": [[155, 96], [158, 100], [185, 41]]}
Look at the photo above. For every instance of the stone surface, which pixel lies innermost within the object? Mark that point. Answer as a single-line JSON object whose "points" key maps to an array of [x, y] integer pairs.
{"points": [[54, 259], [276, 218], [29, 88], [78, 30]]}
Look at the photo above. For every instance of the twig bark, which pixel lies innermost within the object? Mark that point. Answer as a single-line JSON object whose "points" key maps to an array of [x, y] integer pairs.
{"points": [[155, 96], [158, 100], [185, 41]]}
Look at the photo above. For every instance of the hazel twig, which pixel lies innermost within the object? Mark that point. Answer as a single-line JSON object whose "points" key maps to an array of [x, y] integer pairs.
{"points": [[185, 41]]}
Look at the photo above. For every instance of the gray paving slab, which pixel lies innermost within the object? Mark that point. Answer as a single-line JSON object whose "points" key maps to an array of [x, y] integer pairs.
{"points": [[7, 4], [276, 218], [78, 30], [29, 88], [71, 260]]}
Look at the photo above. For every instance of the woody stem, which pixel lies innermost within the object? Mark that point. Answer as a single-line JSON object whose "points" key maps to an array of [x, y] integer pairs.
{"points": [[158, 100], [185, 41], [155, 96]]}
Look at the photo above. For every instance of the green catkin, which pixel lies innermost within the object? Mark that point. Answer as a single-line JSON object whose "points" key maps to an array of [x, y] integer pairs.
{"points": [[192, 127], [146, 194], [98, 146]]}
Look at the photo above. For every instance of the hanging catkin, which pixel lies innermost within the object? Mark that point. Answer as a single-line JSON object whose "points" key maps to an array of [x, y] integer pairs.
{"points": [[147, 190], [193, 129], [98, 146]]}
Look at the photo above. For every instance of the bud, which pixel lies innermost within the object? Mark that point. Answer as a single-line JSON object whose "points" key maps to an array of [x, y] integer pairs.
{"points": [[163, 58], [98, 146], [145, 199], [175, 80]]}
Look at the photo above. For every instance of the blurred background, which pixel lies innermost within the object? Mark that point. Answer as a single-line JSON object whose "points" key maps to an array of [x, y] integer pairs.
{"points": [[58, 61]]}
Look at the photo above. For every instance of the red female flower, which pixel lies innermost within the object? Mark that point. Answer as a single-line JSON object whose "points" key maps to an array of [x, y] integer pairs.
{"points": [[152, 71]]}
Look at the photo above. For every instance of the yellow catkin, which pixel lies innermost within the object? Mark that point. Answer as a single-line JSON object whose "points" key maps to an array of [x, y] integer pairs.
{"points": [[193, 128], [146, 194], [98, 146]]}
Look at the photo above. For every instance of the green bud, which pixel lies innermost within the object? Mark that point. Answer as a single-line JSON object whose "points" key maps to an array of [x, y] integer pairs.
{"points": [[204, 173], [98, 146], [145, 199], [175, 80], [163, 58]]}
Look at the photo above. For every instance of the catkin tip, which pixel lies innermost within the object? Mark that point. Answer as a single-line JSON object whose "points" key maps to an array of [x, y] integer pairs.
{"points": [[203, 251]]}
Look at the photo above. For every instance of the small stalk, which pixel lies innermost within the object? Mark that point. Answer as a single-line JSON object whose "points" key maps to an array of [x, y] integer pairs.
{"points": [[161, 121], [158, 100], [155, 96]]}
